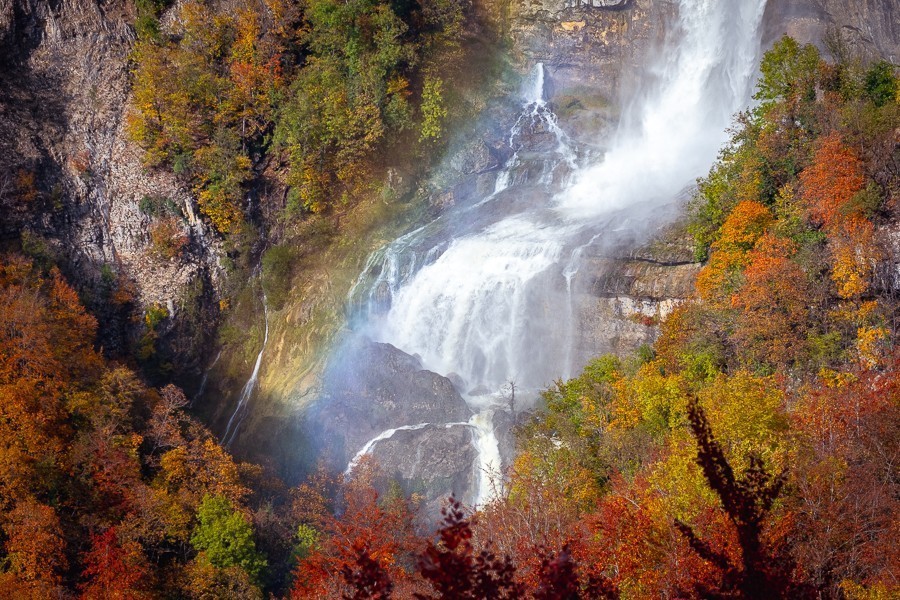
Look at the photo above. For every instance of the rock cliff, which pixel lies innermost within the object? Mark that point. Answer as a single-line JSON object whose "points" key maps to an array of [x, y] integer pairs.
{"points": [[76, 187]]}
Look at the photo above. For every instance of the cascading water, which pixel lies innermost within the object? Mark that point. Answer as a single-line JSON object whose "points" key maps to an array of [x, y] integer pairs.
{"points": [[240, 411], [486, 304], [674, 135]]}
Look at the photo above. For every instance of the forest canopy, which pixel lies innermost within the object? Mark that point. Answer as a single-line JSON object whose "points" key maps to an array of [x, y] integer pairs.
{"points": [[320, 84]]}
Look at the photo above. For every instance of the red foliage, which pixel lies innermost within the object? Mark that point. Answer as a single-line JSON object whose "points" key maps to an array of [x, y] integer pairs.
{"points": [[114, 569], [455, 571]]}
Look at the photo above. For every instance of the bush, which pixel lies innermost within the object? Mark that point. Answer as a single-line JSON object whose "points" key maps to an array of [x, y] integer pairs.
{"points": [[277, 275], [167, 240], [880, 83]]}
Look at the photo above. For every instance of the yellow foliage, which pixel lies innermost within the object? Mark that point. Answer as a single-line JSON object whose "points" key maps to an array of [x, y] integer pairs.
{"points": [[682, 491], [657, 401], [870, 343], [554, 475], [746, 415], [878, 591], [836, 379]]}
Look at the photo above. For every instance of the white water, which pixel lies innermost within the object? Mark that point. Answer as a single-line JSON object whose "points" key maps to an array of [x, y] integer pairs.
{"points": [[488, 472], [384, 435], [675, 135], [494, 303], [240, 412]]}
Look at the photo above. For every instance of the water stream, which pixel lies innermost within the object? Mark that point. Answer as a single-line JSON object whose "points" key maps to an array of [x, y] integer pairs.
{"points": [[240, 411]]}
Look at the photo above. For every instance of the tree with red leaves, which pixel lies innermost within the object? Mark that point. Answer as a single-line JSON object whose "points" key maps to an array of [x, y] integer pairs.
{"points": [[456, 572], [114, 569]]}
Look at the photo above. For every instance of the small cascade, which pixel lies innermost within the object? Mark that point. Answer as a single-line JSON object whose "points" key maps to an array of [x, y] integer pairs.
{"points": [[368, 446], [240, 411], [388, 434], [489, 468], [203, 381]]}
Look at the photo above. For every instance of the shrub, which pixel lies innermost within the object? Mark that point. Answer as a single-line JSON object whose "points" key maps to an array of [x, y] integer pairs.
{"points": [[167, 240]]}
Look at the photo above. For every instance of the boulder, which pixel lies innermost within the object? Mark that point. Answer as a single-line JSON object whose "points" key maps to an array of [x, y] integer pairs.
{"points": [[371, 388]]}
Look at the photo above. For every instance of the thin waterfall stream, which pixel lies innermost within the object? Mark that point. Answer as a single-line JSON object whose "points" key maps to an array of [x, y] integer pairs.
{"points": [[240, 411]]}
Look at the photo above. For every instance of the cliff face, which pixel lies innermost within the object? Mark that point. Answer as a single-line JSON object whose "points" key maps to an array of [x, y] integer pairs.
{"points": [[74, 186], [869, 29]]}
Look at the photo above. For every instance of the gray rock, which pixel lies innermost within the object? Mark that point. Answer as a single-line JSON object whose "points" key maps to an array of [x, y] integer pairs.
{"points": [[373, 387], [433, 462], [474, 159]]}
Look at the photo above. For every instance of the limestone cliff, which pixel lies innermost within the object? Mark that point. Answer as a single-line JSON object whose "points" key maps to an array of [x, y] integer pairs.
{"points": [[869, 29], [75, 188]]}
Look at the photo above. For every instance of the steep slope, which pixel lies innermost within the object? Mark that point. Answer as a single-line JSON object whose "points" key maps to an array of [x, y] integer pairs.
{"points": [[75, 187]]}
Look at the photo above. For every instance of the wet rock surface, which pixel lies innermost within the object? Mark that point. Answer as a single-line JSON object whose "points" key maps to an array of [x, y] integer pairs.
{"points": [[374, 387], [431, 463]]}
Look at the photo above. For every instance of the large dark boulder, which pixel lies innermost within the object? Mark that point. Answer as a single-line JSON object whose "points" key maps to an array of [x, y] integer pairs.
{"points": [[372, 387]]}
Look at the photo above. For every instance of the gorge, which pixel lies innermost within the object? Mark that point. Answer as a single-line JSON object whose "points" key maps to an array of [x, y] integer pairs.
{"points": [[489, 294], [280, 277]]}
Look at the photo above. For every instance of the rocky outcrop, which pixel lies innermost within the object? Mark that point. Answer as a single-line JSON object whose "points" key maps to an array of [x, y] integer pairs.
{"points": [[593, 48], [431, 463], [868, 29], [370, 388], [624, 297], [64, 91]]}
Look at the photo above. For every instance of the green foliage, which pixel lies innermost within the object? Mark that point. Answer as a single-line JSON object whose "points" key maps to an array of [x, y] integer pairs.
{"points": [[881, 85], [225, 537], [38, 249], [202, 100], [158, 206], [277, 275], [353, 94], [146, 25], [330, 82], [433, 110], [788, 72], [306, 540]]}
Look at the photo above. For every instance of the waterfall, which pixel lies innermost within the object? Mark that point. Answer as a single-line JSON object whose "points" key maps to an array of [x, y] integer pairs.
{"points": [[487, 307], [493, 302], [240, 411], [673, 135]]}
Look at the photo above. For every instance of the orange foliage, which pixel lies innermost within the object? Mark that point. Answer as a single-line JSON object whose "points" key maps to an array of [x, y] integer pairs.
{"points": [[831, 181], [771, 325], [854, 253], [383, 531], [738, 234], [35, 546]]}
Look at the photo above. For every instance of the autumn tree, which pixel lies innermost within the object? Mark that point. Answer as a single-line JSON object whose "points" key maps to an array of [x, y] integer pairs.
{"points": [[747, 501], [114, 569], [455, 570]]}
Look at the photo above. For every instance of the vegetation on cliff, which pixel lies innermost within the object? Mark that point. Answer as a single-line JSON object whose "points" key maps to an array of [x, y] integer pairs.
{"points": [[324, 85], [750, 454]]}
